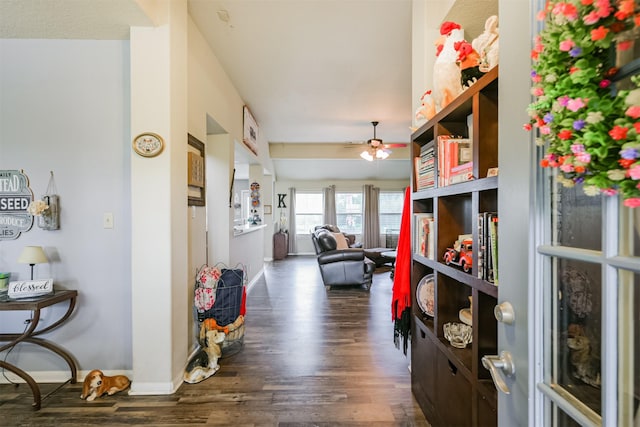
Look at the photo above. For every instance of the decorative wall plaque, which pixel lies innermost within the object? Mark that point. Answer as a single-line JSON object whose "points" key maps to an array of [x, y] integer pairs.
{"points": [[15, 197]]}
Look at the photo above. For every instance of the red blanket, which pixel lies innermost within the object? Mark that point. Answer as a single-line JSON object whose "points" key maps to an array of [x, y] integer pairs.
{"points": [[401, 299]]}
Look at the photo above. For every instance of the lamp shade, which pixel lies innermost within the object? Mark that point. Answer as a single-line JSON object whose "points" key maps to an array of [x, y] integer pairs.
{"points": [[32, 255]]}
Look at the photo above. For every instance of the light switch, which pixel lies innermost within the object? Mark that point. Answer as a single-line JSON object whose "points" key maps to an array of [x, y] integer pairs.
{"points": [[107, 221]]}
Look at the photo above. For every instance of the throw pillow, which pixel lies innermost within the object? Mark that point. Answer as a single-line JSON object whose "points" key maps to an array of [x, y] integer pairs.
{"points": [[341, 241]]}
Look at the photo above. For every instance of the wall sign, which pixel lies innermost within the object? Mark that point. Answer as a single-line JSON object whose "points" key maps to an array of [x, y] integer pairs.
{"points": [[15, 197]]}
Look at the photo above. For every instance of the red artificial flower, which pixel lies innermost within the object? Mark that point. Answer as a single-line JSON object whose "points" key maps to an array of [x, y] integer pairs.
{"points": [[625, 9], [611, 72], [565, 134], [527, 126], [618, 132], [626, 163], [586, 2], [599, 33], [617, 27], [604, 83], [580, 169], [624, 45], [636, 126], [573, 70], [544, 163]]}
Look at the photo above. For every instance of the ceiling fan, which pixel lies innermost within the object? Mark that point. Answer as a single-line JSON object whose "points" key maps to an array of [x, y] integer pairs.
{"points": [[377, 149]]}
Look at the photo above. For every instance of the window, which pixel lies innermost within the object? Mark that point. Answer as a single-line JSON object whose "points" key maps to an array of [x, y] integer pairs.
{"points": [[349, 212], [390, 208], [308, 211]]}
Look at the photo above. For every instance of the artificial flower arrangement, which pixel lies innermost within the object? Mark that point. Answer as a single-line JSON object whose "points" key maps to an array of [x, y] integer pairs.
{"points": [[37, 207], [591, 131]]}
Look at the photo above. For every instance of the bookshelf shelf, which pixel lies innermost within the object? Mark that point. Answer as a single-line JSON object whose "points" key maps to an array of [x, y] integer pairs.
{"points": [[457, 210]]}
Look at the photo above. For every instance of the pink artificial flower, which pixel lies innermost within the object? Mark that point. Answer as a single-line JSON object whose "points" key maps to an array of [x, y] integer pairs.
{"points": [[567, 168], [632, 202], [575, 104], [604, 8], [618, 132], [583, 157], [545, 130], [564, 100], [634, 172], [591, 18], [609, 191], [541, 15], [633, 111], [599, 33], [536, 79], [570, 11], [577, 148], [538, 91], [567, 45]]}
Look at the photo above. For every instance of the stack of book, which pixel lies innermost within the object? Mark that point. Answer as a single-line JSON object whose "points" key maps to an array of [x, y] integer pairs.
{"points": [[454, 160], [424, 235], [488, 247], [425, 167]]}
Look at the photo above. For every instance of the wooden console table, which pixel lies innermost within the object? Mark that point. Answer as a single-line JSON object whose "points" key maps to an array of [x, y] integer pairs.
{"points": [[30, 335]]}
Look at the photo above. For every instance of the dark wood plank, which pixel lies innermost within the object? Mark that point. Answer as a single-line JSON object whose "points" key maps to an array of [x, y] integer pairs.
{"points": [[311, 357]]}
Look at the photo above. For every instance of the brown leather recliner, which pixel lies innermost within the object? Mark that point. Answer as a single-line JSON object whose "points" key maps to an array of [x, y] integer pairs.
{"points": [[341, 266]]}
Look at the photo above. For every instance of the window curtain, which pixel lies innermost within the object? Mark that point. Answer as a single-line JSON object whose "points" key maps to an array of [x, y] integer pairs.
{"points": [[371, 220], [293, 247], [329, 213]]}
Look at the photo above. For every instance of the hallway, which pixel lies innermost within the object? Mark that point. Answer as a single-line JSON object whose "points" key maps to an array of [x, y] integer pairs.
{"points": [[311, 357]]}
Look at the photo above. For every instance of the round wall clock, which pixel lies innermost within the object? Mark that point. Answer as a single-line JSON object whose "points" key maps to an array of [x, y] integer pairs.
{"points": [[148, 144]]}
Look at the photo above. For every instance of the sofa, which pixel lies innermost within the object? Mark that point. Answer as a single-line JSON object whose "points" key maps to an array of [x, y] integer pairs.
{"points": [[341, 266], [351, 238]]}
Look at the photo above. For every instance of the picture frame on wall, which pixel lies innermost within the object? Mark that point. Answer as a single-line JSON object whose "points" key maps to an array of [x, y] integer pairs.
{"points": [[267, 209], [250, 134], [196, 178]]}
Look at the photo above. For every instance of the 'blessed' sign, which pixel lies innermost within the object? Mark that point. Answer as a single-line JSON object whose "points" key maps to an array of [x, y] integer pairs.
{"points": [[30, 288]]}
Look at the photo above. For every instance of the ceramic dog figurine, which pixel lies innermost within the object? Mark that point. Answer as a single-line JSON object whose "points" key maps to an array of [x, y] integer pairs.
{"points": [[205, 362], [96, 384]]}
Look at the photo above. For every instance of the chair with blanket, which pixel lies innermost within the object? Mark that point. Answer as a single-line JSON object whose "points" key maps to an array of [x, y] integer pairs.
{"points": [[339, 264]]}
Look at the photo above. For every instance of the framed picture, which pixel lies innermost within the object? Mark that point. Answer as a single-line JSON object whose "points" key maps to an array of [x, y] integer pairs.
{"points": [[250, 134], [267, 209], [195, 172]]}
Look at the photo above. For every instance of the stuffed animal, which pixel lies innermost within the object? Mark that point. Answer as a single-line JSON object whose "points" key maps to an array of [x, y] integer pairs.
{"points": [[469, 61], [486, 44], [96, 384], [446, 71], [205, 362]]}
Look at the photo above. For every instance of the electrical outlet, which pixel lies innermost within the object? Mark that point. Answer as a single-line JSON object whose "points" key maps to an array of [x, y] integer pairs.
{"points": [[107, 221]]}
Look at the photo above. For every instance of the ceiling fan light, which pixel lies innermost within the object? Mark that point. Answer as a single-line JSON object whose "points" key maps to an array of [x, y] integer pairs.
{"points": [[381, 154], [366, 155]]}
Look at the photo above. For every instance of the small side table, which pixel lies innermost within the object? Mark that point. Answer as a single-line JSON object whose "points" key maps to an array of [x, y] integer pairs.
{"points": [[30, 335], [392, 255]]}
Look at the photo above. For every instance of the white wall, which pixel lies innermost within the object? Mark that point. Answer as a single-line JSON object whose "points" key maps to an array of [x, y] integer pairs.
{"points": [[64, 107]]}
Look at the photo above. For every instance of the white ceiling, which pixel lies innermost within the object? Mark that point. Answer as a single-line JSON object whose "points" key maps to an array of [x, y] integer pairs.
{"points": [[311, 71]]}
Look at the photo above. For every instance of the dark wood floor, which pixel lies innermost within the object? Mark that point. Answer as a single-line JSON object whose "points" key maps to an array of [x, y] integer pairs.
{"points": [[310, 358]]}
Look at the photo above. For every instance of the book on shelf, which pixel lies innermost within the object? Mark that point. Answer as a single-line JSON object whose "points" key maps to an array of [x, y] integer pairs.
{"points": [[487, 224], [454, 159], [424, 235], [425, 167]]}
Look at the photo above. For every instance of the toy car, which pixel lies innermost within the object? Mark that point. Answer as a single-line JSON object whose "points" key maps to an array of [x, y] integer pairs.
{"points": [[460, 254]]}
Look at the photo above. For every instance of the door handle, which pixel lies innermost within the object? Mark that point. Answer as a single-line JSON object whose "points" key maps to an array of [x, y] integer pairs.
{"points": [[496, 366]]}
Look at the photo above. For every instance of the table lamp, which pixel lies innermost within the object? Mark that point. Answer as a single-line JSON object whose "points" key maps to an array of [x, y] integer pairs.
{"points": [[32, 255]]}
